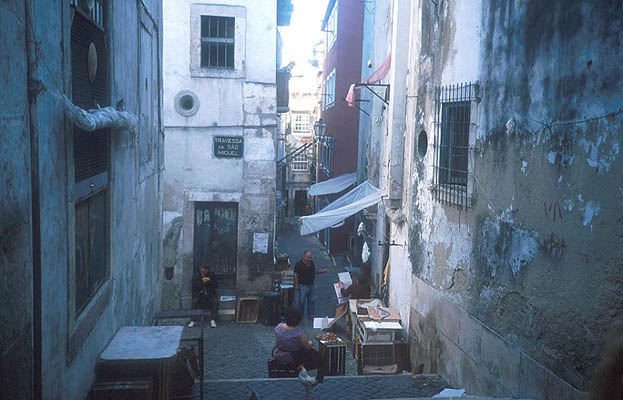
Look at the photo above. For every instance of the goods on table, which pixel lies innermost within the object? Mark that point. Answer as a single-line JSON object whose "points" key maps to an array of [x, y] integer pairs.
{"points": [[329, 338]]}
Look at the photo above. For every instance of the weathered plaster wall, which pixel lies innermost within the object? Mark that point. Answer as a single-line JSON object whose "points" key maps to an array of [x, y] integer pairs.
{"points": [[16, 318], [533, 269], [242, 103], [377, 35], [69, 348]]}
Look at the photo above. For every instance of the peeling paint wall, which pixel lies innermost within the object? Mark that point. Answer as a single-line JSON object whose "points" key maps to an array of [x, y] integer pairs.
{"points": [[240, 102], [130, 293], [534, 264]]}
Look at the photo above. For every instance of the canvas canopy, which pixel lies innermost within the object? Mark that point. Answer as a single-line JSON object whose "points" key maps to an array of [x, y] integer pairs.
{"points": [[363, 196], [333, 185]]}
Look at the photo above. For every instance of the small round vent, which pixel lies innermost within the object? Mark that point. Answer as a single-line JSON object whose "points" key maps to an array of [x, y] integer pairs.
{"points": [[186, 103]]}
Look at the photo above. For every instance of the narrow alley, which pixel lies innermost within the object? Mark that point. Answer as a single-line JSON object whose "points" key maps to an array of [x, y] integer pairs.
{"points": [[453, 167], [236, 354]]}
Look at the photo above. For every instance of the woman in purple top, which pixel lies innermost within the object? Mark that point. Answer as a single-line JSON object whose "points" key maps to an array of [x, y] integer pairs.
{"points": [[293, 347]]}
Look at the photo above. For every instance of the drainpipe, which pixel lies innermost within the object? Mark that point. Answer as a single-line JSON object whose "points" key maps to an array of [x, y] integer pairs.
{"points": [[35, 86]]}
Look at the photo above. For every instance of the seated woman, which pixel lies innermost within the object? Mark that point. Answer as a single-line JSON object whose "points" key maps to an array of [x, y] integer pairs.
{"points": [[293, 347]]}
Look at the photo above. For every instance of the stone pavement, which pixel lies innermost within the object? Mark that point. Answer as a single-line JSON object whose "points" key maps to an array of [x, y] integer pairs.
{"points": [[351, 388], [240, 351], [236, 354]]}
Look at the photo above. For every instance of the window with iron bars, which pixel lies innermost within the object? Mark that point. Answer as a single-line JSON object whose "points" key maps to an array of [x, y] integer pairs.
{"points": [[300, 162], [217, 41], [301, 123], [326, 146], [453, 113]]}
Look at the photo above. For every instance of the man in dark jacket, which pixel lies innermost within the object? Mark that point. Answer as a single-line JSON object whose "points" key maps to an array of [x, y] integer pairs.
{"points": [[204, 291]]}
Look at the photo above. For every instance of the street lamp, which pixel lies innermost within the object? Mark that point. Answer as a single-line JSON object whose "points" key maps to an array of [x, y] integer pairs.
{"points": [[320, 127]]}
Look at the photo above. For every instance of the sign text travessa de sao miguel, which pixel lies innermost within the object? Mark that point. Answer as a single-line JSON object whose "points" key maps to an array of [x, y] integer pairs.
{"points": [[228, 146]]}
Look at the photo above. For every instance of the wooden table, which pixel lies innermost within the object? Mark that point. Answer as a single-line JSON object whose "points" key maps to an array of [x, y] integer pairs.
{"points": [[142, 352]]}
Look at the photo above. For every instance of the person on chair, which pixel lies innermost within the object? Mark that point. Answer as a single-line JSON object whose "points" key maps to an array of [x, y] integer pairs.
{"points": [[292, 347], [204, 288], [359, 288]]}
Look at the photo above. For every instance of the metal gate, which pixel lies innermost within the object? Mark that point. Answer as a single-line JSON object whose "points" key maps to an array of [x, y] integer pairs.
{"points": [[216, 237]]}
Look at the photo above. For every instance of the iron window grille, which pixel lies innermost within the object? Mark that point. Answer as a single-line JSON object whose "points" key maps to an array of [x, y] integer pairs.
{"points": [[217, 41], [301, 123], [326, 147], [91, 153], [300, 162], [454, 106]]}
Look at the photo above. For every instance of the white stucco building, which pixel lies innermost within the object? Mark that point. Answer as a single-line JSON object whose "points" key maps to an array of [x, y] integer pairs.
{"points": [[220, 117]]}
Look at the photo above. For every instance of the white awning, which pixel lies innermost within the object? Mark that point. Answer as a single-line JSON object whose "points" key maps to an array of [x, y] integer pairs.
{"points": [[363, 196], [333, 185]]}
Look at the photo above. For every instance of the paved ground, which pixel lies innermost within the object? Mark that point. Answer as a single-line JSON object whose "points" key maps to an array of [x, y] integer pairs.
{"points": [[240, 351], [351, 388], [236, 354]]}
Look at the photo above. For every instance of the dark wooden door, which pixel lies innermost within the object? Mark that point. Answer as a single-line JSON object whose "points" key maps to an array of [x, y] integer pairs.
{"points": [[216, 237]]}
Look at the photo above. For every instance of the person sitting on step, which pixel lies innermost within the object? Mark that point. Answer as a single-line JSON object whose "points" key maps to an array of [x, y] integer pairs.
{"points": [[204, 290]]}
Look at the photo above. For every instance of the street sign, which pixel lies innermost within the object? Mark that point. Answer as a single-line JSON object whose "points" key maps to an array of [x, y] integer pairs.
{"points": [[228, 146]]}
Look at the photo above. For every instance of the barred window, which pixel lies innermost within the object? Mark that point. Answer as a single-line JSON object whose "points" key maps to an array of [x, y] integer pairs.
{"points": [[453, 109], [301, 123], [299, 163], [217, 41]]}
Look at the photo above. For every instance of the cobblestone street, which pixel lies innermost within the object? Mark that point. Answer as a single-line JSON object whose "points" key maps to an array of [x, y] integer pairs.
{"points": [[236, 354]]}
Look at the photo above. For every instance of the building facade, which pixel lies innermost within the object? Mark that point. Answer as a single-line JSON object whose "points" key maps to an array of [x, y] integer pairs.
{"points": [[343, 24], [220, 112], [80, 212], [501, 169], [299, 164]]}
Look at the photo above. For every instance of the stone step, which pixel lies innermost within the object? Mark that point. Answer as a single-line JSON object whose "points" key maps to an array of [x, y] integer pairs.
{"points": [[334, 387]]}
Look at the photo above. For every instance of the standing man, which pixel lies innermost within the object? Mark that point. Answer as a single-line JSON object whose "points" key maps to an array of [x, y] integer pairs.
{"points": [[204, 288], [304, 275]]}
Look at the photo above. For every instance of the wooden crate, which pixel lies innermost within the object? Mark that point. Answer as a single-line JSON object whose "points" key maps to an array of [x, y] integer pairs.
{"points": [[402, 356], [379, 335], [333, 357], [247, 310], [374, 354]]}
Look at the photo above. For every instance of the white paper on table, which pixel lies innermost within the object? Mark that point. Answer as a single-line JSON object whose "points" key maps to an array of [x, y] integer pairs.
{"points": [[374, 325], [344, 277], [338, 293], [322, 323]]}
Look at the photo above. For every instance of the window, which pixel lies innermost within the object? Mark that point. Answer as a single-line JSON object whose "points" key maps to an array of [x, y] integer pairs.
{"points": [[91, 245], [301, 123], [331, 27], [328, 98], [217, 42], [91, 155], [299, 163], [326, 146], [453, 111]]}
